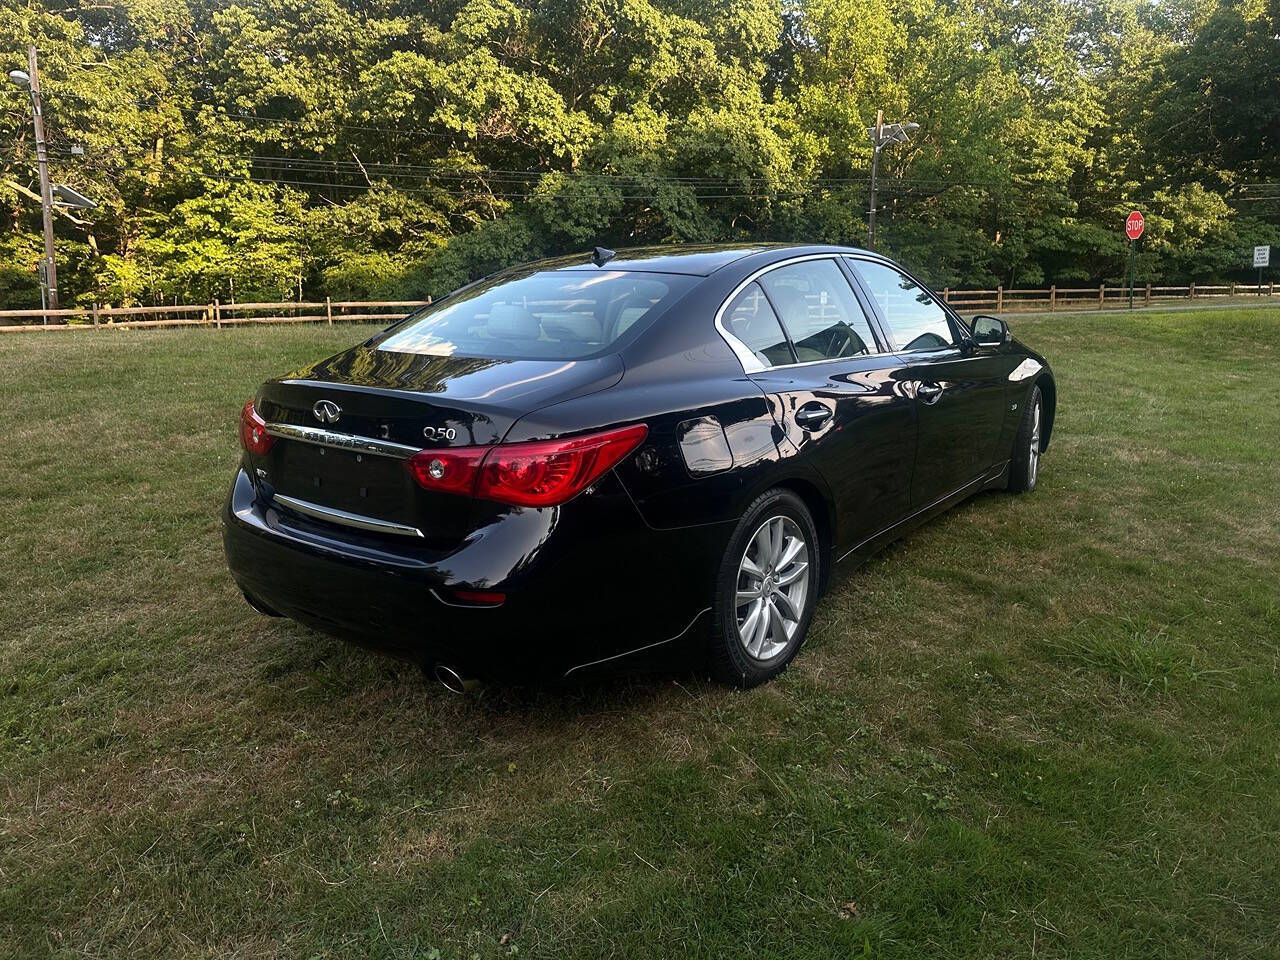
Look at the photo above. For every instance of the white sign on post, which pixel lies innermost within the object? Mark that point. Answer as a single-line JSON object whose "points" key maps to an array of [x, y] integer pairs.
{"points": [[1262, 256]]}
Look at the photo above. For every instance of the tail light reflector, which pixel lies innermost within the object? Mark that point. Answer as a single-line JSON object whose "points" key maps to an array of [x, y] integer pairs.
{"points": [[253, 431], [449, 470], [479, 598], [540, 473]]}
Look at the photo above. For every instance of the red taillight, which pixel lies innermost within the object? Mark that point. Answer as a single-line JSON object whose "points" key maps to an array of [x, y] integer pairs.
{"points": [[253, 431], [479, 598], [448, 470], [541, 473]]}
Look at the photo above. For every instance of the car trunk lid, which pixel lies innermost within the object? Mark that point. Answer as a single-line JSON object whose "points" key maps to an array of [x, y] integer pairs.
{"points": [[400, 403]]}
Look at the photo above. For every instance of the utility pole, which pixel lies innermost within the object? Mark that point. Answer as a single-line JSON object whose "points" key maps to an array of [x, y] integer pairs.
{"points": [[881, 136], [46, 194], [67, 196], [48, 268], [876, 138]]}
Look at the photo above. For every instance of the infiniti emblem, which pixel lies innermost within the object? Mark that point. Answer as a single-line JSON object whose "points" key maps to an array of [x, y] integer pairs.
{"points": [[326, 411]]}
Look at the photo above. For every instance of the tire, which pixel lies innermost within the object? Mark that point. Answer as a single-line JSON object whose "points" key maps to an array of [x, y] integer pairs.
{"points": [[741, 659], [1024, 463]]}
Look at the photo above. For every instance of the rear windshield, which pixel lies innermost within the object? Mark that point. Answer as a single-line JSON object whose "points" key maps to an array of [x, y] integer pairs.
{"points": [[555, 315]]}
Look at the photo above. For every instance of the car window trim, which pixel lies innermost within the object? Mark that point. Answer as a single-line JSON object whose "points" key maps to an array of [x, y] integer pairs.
{"points": [[791, 343], [777, 317], [957, 325], [868, 304], [750, 362], [872, 328]]}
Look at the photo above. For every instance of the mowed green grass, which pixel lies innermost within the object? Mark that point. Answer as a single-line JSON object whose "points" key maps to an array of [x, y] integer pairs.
{"points": [[1043, 726]]}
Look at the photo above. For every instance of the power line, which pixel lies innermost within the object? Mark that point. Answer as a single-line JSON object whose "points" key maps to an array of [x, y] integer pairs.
{"points": [[905, 187], [704, 192], [241, 116], [527, 178], [254, 118], [514, 177], [500, 175]]}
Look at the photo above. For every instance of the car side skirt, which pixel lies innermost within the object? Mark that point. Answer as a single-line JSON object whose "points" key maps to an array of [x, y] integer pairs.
{"points": [[996, 477]]}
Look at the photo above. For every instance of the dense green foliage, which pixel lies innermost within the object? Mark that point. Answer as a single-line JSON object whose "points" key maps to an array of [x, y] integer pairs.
{"points": [[262, 147]]}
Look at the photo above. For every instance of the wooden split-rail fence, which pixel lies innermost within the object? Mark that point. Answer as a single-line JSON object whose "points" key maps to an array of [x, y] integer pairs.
{"points": [[214, 314], [1101, 297], [217, 314]]}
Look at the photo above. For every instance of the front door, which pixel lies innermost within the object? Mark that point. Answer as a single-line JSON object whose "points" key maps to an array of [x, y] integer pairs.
{"points": [[959, 387]]}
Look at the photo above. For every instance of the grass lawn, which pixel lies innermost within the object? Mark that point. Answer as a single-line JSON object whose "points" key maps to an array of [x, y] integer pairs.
{"points": [[1045, 726]]}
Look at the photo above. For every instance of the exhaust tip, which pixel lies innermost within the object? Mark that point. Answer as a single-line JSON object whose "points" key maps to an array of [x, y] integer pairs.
{"points": [[453, 681]]}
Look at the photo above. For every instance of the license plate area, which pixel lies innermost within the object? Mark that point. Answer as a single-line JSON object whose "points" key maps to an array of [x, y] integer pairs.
{"points": [[359, 483]]}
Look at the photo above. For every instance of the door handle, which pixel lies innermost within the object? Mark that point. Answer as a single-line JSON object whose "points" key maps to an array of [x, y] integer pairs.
{"points": [[813, 415], [928, 391]]}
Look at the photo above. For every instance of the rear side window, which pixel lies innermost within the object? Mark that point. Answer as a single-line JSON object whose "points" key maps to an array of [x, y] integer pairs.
{"points": [[915, 319], [553, 315], [752, 320], [817, 307]]}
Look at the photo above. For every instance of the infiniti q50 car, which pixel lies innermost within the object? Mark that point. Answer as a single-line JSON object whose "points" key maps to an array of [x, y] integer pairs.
{"points": [[618, 461]]}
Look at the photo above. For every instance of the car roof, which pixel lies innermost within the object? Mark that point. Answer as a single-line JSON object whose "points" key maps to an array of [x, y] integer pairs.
{"points": [[698, 260]]}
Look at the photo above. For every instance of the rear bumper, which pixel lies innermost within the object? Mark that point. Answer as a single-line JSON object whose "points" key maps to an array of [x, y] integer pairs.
{"points": [[587, 585]]}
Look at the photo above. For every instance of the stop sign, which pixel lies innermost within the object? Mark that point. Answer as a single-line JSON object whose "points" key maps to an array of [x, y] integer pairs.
{"points": [[1133, 225]]}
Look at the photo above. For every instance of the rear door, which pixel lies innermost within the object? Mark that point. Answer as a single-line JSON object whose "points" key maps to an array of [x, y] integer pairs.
{"points": [[835, 389], [958, 387]]}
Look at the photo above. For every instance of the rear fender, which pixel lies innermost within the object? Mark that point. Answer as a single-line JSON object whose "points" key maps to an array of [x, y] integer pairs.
{"points": [[708, 448]]}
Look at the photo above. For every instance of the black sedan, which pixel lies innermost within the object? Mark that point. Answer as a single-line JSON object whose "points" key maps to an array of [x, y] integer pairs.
{"points": [[616, 461]]}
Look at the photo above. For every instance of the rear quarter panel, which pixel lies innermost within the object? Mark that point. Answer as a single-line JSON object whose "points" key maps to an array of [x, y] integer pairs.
{"points": [[680, 374]]}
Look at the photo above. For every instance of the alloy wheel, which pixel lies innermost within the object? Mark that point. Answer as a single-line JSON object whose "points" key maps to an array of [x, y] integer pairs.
{"points": [[773, 587]]}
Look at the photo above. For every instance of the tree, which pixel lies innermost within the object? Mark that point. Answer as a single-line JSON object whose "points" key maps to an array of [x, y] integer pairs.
{"points": [[386, 147]]}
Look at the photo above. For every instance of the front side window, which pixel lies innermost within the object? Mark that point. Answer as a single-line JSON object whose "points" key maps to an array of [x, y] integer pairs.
{"points": [[818, 308], [914, 318], [554, 315], [750, 319]]}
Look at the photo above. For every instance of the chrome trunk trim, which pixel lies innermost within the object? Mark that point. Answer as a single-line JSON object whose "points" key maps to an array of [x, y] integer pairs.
{"points": [[331, 515], [342, 441]]}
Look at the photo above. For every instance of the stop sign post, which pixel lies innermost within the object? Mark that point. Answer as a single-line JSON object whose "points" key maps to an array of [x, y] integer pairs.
{"points": [[1133, 227]]}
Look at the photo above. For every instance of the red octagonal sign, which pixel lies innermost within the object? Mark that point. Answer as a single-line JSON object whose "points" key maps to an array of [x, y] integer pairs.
{"points": [[1133, 225]]}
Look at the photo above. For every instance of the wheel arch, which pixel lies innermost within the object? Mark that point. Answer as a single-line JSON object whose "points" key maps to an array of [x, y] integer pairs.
{"points": [[1049, 391], [822, 510]]}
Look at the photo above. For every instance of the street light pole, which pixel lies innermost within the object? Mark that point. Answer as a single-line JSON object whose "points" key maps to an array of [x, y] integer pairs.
{"points": [[881, 135], [48, 268], [46, 194], [878, 141]]}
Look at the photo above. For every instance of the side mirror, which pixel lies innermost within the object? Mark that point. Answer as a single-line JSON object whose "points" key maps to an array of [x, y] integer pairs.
{"points": [[989, 331]]}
